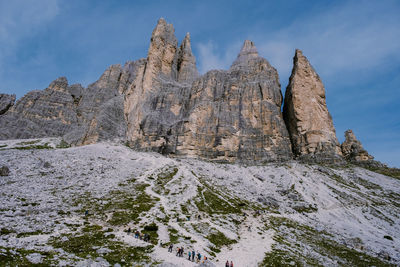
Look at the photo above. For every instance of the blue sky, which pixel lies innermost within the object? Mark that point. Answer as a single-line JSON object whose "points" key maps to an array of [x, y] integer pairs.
{"points": [[353, 45]]}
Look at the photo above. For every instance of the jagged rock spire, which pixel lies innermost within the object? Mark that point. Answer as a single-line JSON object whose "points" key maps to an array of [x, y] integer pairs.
{"points": [[306, 114], [59, 84], [247, 53], [161, 54], [186, 62], [353, 150]]}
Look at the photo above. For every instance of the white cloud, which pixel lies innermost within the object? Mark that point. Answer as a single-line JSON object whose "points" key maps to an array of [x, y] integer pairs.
{"points": [[211, 58], [352, 37]]}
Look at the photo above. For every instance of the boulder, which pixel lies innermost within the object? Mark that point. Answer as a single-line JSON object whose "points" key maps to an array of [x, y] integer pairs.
{"points": [[4, 171]]}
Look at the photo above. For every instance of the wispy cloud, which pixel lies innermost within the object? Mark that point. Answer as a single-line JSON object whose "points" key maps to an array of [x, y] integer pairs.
{"points": [[357, 36], [211, 57]]}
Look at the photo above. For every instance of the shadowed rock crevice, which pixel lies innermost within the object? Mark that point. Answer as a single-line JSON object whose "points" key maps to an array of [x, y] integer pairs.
{"points": [[6, 102]]}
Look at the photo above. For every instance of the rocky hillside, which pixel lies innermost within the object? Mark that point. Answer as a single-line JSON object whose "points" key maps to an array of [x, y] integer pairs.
{"points": [[234, 176], [160, 103], [73, 207]]}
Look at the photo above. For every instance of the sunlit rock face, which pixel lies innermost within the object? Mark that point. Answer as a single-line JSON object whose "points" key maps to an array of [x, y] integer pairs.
{"points": [[306, 115], [235, 115], [353, 150]]}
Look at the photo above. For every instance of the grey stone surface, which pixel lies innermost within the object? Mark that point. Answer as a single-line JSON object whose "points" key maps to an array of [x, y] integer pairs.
{"points": [[6, 102], [50, 112]]}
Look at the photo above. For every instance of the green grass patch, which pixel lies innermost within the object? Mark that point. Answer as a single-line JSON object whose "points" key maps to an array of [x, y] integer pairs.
{"points": [[391, 172], [173, 235], [84, 244], [20, 235], [5, 231], [218, 239], [63, 144], [44, 146], [210, 202], [125, 206], [302, 236], [162, 178], [18, 257]]}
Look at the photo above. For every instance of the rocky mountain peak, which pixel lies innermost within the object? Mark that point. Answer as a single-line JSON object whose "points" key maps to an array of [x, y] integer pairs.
{"points": [[248, 49], [161, 54], [59, 84], [186, 62], [247, 53], [306, 114]]}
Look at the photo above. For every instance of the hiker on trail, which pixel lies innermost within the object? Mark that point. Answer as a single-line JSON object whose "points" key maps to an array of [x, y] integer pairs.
{"points": [[193, 254], [137, 234], [129, 230], [198, 257], [227, 264], [205, 259], [170, 248], [179, 252], [190, 255], [231, 264]]}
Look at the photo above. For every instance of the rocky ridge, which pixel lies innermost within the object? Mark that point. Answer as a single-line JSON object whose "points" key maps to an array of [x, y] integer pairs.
{"points": [[161, 103]]}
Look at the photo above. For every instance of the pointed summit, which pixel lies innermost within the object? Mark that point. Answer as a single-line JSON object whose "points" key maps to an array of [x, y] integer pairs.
{"points": [[247, 53], [59, 84], [163, 46], [306, 114], [353, 150], [165, 31], [249, 50], [186, 62]]}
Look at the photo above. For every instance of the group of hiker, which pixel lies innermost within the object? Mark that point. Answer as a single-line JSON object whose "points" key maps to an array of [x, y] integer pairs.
{"points": [[227, 264], [192, 255], [141, 236]]}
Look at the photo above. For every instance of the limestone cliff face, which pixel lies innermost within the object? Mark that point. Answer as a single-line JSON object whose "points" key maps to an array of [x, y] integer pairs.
{"points": [[50, 112], [353, 150], [306, 115], [155, 102], [99, 110], [235, 115], [161, 103]]}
